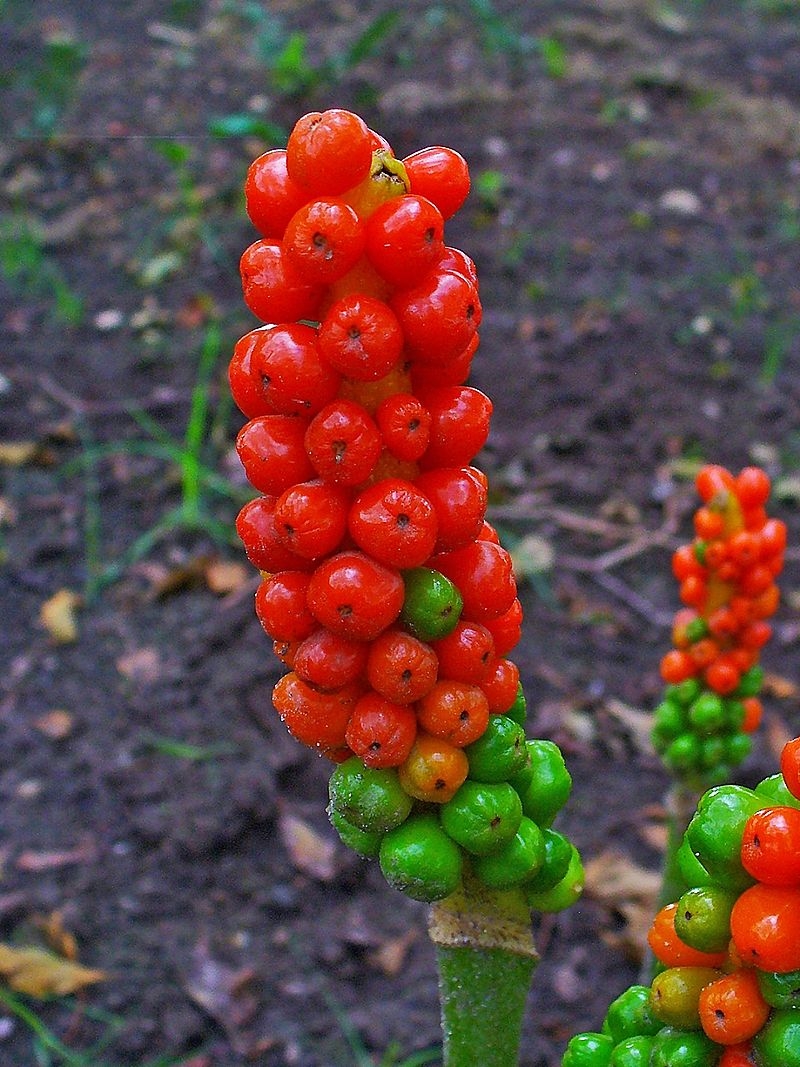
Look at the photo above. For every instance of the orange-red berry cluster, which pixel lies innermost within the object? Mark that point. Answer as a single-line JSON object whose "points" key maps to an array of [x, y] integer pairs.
{"points": [[385, 591], [727, 579], [728, 990]]}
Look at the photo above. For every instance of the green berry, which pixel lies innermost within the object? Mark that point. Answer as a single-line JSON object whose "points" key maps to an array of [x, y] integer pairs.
{"points": [[780, 990], [778, 1043], [750, 683], [715, 832], [703, 918], [482, 816], [631, 1014], [685, 692], [680, 1048], [776, 793], [363, 842], [707, 713], [499, 752], [432, 604], [373, 800], [551, 785], [564, 893], [683, 755], [669, 719], [588, 1050], [632, 1052], [692, 870], [675, 993], [515, 862], [420, 860], [519, 709], [557, 857], [737, 748]]}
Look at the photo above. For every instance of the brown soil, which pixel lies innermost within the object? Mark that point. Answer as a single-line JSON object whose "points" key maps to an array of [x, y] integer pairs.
{"points": [[635, 222]]}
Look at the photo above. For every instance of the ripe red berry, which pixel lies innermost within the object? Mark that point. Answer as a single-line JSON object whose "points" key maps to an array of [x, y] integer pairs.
{"points": [[281, 606], [343, 443], [439, 315], [394, 522], [484, 575], [771, 846], [293, 377], [790, 766], [460, 419], [329, 152], [380, 732], [247, 387], [405, 239], [323, 240], [355, 596], [456, 712], [272, 451], [361, 337], [454, 371], [442, 175], [272, 290], [401, 667], [405, 424], [506, 629], [466, 653], [459, 500], [311, 518], [752, 487], [317, 719], [501, 685], [271, 197], [329, 661], [255, 525]]}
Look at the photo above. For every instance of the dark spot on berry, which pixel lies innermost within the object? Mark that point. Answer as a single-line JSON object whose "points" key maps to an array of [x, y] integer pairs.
{"points": [[719, 1013], [464, 715], [429, 234], [407, 675], [266, 381], [375, 746], [345, 611], [440, 783], [413, 425], [339, 451], [495, 821], [403, 521]]}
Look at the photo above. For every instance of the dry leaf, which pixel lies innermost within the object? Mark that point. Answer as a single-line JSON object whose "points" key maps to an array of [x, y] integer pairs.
{"points": [[225, 576], [187, 576], [56, 724], [224, 993], [628, 890], [390, 956], [18, 453], [638, 724], [58, 617], [59, 939], [141, 665], [775, 685], [38, 973], [310, 853]]}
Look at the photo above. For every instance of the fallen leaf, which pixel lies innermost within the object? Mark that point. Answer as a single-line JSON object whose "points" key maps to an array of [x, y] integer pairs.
{"points": [[8, 513], [775, 685], [186, 576], [58, 938], [309, 852], [56, 724], [38, 973], [628, 891], [638, 724], [58, 616], [390, 956], [226, 576], [19, 453], [224, 993], [142, 665], [532, 555], [84, 852]]}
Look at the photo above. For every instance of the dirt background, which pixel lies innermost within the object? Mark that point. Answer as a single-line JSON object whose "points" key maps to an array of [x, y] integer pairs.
{"points": [[635, 220]]}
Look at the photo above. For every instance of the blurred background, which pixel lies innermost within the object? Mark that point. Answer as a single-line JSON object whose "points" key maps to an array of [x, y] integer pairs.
{"points": [[634, 217]]}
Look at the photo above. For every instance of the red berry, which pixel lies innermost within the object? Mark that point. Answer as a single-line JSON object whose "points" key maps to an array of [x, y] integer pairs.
{"points": [[271, 197], [330, 661], [343, 443], [247, 387], [752, 487], [394, 522], [272, 451], [294, 378], [355, 596], [401, 667], [459, 500], [405, 424], [506, 630], [329, 152], [317, 719], [381, 733], [311, 518], [466, 653], [455, 712], [440, 174], [281, 606], [790, 766], [361, 337], [405, 239], [484, 574], [771, 846], [323, 240], [501, 685], [439, 315], [255, 525], [272, 290], [460, 418]]}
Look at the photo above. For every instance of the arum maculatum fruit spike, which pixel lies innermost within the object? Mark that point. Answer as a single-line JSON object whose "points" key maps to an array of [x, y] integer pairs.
{"points": [[385, 591], [727, 584], [728, 950]]}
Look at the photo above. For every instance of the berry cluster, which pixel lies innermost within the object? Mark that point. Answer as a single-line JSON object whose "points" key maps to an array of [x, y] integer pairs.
{"points": [[386, 593], [728, 990], [727, 584]]}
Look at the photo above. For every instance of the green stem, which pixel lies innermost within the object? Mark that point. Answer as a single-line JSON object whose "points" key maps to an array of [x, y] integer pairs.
{"points": [[486, 960], [681, 802]]}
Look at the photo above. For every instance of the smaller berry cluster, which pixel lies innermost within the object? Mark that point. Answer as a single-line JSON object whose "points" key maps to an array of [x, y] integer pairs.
{"points": [[728, 989], [727, 583], [386, 593]]}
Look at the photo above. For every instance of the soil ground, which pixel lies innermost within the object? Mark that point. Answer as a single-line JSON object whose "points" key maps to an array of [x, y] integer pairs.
{"points": [[635, 221]]}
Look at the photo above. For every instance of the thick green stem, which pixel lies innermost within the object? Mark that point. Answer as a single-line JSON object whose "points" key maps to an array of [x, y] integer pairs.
{"points": [[680, 804], [486, 959]]}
